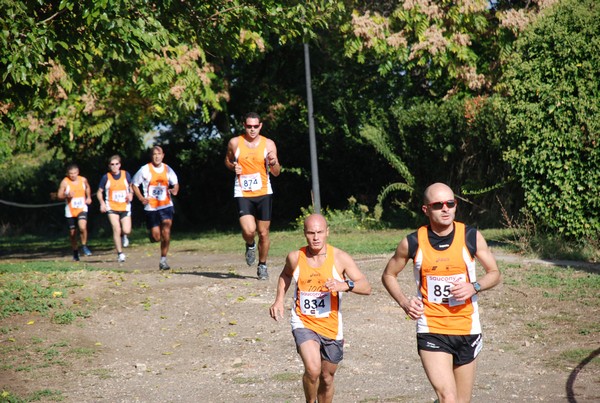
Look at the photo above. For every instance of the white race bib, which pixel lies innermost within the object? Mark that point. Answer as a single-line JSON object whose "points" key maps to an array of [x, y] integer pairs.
{"points": [[78, 202], [119, 196], [438, 289], [251, 182], [158, 192], [317, 304]]}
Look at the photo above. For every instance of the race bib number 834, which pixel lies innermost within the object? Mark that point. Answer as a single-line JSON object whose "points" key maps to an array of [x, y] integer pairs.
{"points": [[316, 304]]}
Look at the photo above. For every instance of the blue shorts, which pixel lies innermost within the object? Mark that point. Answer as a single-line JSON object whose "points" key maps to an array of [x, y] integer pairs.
{"points": [[72, 221], [156, 217], [331, 350], [463, 349], [260, 207]]}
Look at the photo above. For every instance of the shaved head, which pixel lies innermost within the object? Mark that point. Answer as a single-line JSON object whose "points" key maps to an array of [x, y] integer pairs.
{"points": [[315, 219], [436, 192]]}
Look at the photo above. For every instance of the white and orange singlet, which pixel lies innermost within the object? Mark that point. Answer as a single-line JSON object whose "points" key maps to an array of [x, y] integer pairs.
{"points": [[315, 307], [115, 192], [155, 185], [435, 271], [76, 205], [254, 180]]}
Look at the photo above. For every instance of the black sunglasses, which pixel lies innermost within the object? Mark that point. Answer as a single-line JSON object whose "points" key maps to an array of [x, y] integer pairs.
{"points": [[440, 205]]}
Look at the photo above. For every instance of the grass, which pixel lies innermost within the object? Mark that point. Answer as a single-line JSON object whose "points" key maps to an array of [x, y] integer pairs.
{"points": [[566, 284], [580, 355], [40, 285], [43, 284], [47, 395]]}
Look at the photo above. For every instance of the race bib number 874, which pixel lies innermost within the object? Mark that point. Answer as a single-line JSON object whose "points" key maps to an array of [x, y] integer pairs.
{"points": [[251, 182]]}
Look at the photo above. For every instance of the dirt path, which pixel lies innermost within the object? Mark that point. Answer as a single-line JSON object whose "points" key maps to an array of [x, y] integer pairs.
{"points": [[202, 333]]}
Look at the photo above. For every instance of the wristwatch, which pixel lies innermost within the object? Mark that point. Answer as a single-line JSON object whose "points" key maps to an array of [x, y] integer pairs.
{"points": [[350, 285], [476, 286]]}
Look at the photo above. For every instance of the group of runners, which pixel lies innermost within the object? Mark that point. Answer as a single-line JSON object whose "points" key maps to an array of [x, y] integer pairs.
{"points": [[444, 254], [115, 194], [445, 305], [250, 155]]}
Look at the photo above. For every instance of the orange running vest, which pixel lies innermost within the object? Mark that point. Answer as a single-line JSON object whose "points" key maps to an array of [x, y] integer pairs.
{"points": [[76, 205], [158, 188], [115, 192], [434, 272], [254, 180], [316, 308]]}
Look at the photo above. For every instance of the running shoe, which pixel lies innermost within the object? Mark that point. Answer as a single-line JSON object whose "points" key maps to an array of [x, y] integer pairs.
{"points": [[261, 272], [76, 256], [86, 250], [250, 254], [121, 257], [125, 241], [164, 266]]}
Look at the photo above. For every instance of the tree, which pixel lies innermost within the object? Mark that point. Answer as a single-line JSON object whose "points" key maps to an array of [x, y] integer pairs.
{"points": [[553, 112], [444, 59], [85, 75]]}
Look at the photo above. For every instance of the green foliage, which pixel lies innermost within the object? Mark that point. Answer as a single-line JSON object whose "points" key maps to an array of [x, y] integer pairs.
{"points": [[19, 297], [455, 141], [378, 139], [553, 109], [86, 76], [28, 177], [67, 317], [35, 287], [44, 394], [439, 45], [355, 217]]}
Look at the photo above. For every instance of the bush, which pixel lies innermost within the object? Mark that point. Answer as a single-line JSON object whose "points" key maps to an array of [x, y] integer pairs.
{"points": [[553, 113], [355, 217]]}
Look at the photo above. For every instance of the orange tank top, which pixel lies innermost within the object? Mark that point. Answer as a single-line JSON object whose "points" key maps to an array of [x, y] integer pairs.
{"points": [[158, 187], [435, 271], [76, 205], [254, 180], [315, 307], [116, 191]]}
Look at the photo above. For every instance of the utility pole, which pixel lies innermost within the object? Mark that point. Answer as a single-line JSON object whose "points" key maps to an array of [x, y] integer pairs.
{"points": [[314, 166]]}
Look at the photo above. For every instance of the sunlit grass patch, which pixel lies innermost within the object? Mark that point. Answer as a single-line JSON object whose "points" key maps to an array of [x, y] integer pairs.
{"points": [[578, 356], [287, 377], [560, 283], [47, 395], [241, 380]]}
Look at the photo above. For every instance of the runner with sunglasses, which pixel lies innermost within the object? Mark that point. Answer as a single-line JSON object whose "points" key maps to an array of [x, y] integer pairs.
{"points": [[449, 335], [253, 158], [115, 196]]}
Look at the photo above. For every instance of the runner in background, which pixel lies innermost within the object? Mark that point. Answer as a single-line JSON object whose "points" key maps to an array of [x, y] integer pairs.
{"points": [[253, 158], [75, 191], [159, 182], [115, 195]]}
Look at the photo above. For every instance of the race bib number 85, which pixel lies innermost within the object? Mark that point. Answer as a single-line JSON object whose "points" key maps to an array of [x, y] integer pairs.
{"points": [[438, 289]]}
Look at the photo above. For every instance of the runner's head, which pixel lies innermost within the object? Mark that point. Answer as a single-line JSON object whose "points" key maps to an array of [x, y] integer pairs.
{"points": [[316, 232]]}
